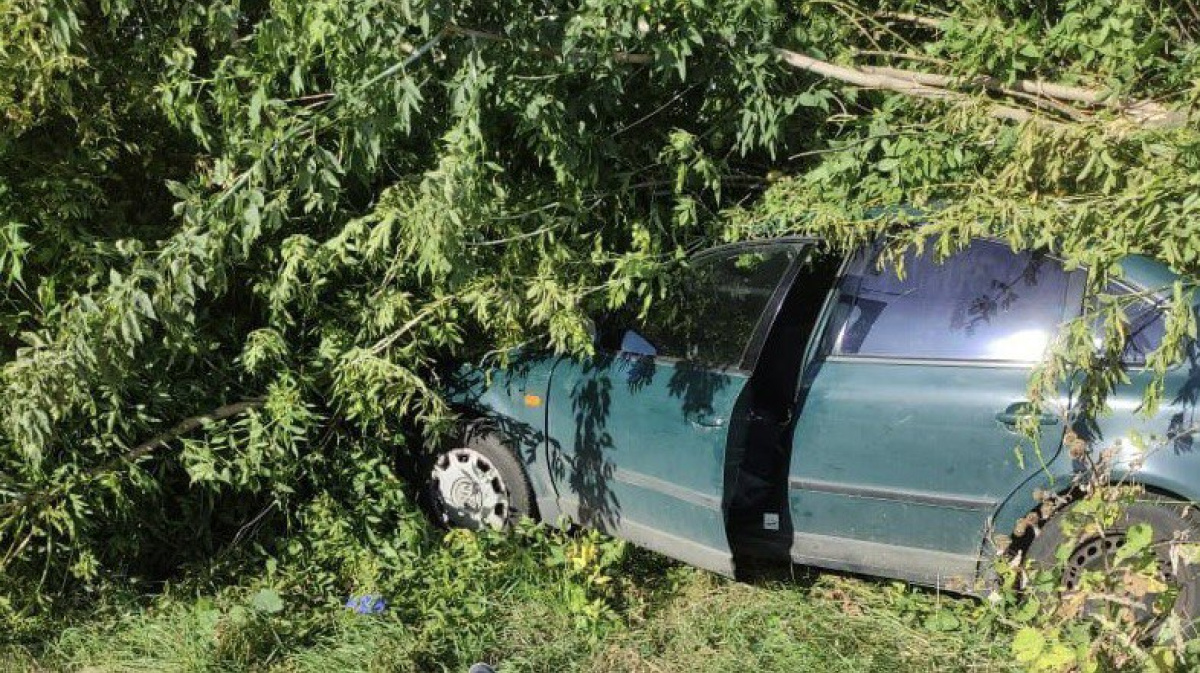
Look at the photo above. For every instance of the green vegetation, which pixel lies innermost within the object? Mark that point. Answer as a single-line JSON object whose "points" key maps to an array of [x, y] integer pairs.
{"points": [[241, 241], [519, 605]]}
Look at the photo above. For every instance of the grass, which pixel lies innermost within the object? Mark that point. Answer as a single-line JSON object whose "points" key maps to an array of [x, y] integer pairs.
{"points": [[838, 625], [520, 608]]}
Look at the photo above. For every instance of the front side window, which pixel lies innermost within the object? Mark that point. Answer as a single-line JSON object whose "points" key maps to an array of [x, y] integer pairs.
{"points": [[710, 309], [984, 303]]}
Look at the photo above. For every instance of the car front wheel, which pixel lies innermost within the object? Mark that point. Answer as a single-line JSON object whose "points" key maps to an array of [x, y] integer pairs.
{"points": [[479, 484]]}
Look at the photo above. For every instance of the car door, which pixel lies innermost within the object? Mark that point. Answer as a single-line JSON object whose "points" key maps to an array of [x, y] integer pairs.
{"points": [[906, 441], [638, 433]]}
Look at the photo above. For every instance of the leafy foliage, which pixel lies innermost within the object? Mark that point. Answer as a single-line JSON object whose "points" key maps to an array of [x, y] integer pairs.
{"points": [[300, 214]]}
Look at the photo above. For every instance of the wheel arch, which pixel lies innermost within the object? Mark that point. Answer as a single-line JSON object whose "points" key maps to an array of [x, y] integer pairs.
{"points": [[528, 444], [1011, 514], [1162, 485]]}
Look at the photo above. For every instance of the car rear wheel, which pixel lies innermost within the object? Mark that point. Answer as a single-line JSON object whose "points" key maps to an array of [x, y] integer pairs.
{"points": [[479, 484], [1170, 524]]}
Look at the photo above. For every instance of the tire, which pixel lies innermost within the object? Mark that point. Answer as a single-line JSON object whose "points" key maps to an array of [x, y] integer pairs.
{"points": [[1167, 519], [478, 484]]}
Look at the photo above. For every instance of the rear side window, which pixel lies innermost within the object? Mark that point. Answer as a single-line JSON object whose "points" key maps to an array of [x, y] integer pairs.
{"points": [[985, 303], [1146, 324], [712, 309]]}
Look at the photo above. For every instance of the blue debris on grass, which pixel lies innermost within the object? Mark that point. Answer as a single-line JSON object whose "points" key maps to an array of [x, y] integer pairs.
{"points": [[367, 604]]}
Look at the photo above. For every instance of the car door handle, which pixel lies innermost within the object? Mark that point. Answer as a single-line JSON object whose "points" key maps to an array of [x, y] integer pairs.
{"points": [[1015, 412], [705, 420]]}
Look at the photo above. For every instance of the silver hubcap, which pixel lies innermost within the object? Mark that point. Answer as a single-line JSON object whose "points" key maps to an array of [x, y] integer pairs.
{"points": [[468, 490]]}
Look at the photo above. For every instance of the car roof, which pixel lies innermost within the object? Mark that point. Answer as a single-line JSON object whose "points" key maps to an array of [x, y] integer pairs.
{"points": [[1143, 272]]}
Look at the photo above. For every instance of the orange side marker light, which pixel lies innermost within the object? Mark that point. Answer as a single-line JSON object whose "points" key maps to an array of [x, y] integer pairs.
{"points": [[533, 401]]}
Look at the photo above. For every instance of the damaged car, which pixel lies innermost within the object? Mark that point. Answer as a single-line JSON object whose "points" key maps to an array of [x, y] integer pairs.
{"points": [[855, 412]]}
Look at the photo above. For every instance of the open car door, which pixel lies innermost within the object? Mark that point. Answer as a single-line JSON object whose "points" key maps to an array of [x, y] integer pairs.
{"points": [[639, 433]]}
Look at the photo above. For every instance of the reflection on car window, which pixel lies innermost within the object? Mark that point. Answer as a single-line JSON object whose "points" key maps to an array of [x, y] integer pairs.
{"points": [[712, 308], [1146, 324], [984, 303]]}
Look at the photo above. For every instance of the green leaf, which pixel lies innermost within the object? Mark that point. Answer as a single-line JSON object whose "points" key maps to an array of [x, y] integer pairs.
{"points": [[887, 165], [943, 620], [1028, 644], [1028, 609], [1058, 657], [267, 601], [1137, 539], [254, 111]]}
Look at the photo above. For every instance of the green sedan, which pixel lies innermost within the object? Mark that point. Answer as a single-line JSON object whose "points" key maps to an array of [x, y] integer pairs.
{"points": [[829, 410]]}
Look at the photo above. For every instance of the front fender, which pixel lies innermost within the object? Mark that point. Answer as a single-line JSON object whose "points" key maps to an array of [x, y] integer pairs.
{"points": [[513, 402]]}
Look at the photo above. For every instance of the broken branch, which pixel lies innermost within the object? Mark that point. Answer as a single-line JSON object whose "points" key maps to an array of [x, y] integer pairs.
{"points": [[132, 455], [1145, 112], [909, 86], [1044, 95]]}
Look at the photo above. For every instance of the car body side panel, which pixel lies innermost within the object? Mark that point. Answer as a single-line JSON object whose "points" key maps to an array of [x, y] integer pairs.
{"points": [[1163, 451], [632, 454], [514, 401], [907, 456], [1157, 452], [900, 464]]}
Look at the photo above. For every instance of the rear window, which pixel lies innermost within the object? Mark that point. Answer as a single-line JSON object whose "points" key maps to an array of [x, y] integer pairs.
{"points": [[1145, 321]]}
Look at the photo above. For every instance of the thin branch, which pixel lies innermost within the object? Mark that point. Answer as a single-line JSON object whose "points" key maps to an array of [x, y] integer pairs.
{"points": [[250, 527], [518, 237], [653, 112], [185, 426], [847, 9], [141, 450], [311, 99], [916, 19], [837, 7], [618, 56], [848, 145], [387, 341]]}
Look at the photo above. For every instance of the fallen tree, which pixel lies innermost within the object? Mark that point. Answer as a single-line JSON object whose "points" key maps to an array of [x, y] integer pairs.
{"points": [[321, 206]]}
